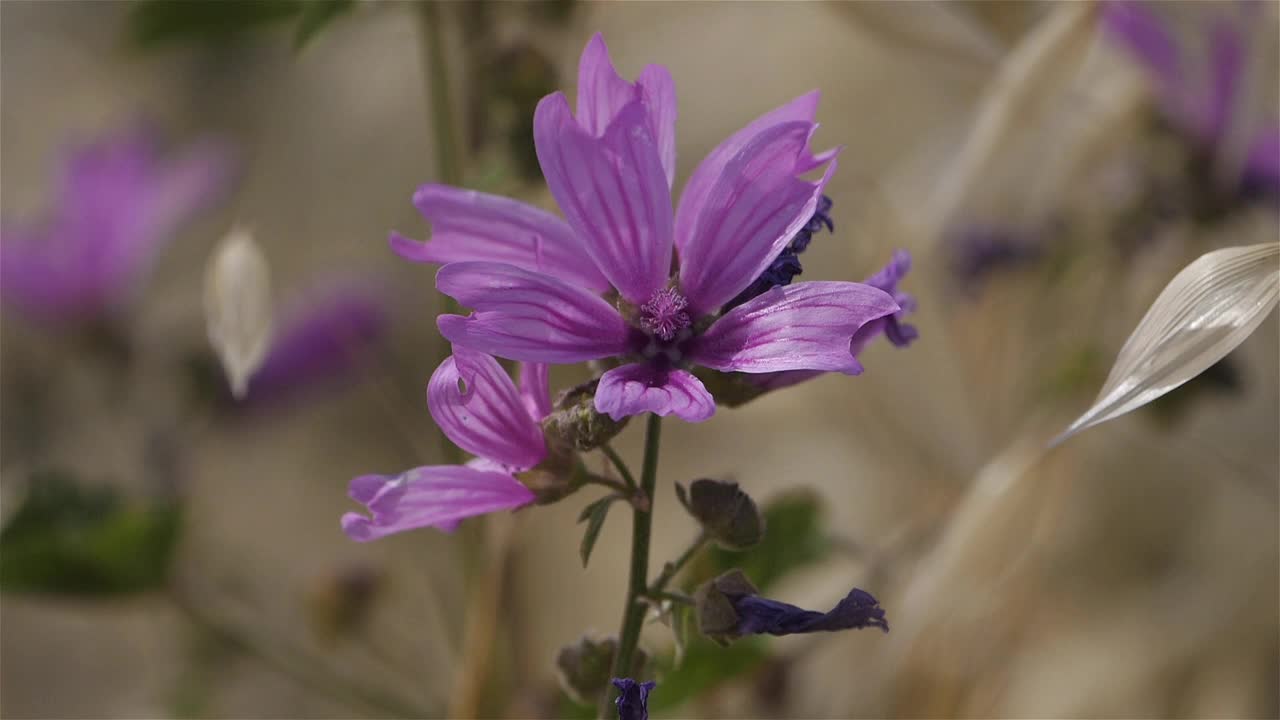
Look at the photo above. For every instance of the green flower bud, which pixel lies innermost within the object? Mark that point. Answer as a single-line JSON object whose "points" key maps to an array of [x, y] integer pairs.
{"points": [[717, 618], [575, 422], [586, 667], [726, 513]]}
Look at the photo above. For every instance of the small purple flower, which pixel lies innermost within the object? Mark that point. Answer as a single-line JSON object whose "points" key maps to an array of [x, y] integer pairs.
{"points": [[762, 616], [730, 607], [322, 334], [633, 698], [979, 251], [481, 410], [600, 285], [117, 204], [1203, 96]]}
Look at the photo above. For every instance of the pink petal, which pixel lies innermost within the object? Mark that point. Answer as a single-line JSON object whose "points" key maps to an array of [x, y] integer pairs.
{"points": [[613, 191], [477, 406], [603, 93], [634, 389], [469, 225], [801, 109], [431, 496], [807, 326], [529, 317], [535, 389], [749, 215]]}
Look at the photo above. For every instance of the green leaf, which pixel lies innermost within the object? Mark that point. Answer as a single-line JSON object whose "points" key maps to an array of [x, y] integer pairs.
{"points": [[315, 16], [594, 515], [796, 537], [72, 539], [705, 666], [154, 24], [683, 496]]}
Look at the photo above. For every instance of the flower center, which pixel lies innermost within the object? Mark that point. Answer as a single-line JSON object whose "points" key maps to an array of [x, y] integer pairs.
{"points": [[786, 266], [664, 315]]}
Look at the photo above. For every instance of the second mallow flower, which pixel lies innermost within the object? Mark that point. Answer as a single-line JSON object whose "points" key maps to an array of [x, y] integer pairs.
{"points": [[481, 410], [599, 285]]}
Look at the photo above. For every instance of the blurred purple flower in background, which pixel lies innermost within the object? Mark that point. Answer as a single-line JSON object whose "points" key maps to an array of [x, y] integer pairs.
{"points": [[322, 334], [481, 410], [1203, 94], [536, 282], [117, 203], [976, 252], [758, 615], [633, 698]]}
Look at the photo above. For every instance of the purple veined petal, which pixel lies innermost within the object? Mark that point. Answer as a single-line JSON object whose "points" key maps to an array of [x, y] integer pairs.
{"points": [[437, 496], [750, 214], [535, 389], [477, 406], [634, 389], [613, 191], [806, 326], [603, 93], [891, 326], [1148, 39], [321, 334], [658, 90], [472, 226], [529, 317], [802, 109]]}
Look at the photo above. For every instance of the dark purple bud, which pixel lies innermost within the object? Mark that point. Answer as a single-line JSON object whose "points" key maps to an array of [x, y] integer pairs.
{"points": [[633, 698], [729, 607]]}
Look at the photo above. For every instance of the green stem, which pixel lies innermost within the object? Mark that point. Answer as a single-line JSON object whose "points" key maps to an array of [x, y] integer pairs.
{"points": [[642, 522], [671, 568], [621, 466], [448, 163], [680, 598]]}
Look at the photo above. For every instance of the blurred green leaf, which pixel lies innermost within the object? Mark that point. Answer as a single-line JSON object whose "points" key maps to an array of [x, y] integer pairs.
{"points": [[154, 24], [705, 666], [315, 16], [594, 515], [80, 540], [795, 537]]}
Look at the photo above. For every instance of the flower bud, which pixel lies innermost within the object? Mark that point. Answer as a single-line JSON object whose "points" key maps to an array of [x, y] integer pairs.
{"points": [[585, 667], [555, 478], [717, 616], [575, 422], [726, 513]]}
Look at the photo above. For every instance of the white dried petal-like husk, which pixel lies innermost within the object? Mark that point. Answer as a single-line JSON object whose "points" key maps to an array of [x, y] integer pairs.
{"points": [[1205, 312], [237, 295]]}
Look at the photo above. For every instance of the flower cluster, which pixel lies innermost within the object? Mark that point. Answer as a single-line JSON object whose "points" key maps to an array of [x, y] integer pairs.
{"points": [[679, 310], [624, 279]]}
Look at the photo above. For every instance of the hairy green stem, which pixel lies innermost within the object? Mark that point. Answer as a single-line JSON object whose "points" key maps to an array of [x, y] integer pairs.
{"points": [[669, 571], [618, 464], [637, 585]]}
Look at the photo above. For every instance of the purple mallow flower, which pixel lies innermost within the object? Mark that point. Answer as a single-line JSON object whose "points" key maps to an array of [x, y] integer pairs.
{"points": [[118, 202], [324, 333], [633, 698], [1202, 96], [600, 283], [481, 410]]}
